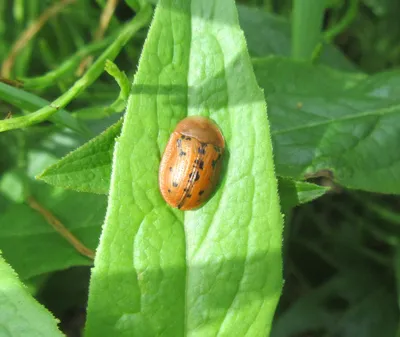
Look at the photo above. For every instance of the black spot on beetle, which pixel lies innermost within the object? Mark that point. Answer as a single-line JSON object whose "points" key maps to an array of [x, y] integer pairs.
{"points": [[175, 184], [185, 189], [182, 153], [201, 164], [188, 138], [214, 162], [169, 191], [202, 150], [183, 137], [188, 195], [170, 169], [201, 192]]}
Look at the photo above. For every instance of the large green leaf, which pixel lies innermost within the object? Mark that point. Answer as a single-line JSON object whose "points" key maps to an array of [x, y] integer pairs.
{"points": [[216, 270], [325, 120], [20, 314]]}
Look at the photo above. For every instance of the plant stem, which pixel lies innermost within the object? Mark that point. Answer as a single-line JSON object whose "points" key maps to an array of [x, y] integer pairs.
{"points": [[60, 228], [346, 20], [66, 67], [140, 20], [306, 27]]}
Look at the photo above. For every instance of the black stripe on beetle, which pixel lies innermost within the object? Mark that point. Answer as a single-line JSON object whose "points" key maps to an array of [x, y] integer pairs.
{"points": [[182, 153], [197, 177], [175, 184]]}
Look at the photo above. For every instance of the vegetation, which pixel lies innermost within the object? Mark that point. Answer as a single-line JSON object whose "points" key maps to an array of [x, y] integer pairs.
{"points": [[301, 238]]}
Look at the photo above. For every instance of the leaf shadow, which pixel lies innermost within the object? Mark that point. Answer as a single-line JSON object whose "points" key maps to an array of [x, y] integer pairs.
{"points": [[176, 300]]}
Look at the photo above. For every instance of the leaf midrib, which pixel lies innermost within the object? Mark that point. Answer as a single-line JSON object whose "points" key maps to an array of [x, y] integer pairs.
{"points": [[379, 113]]}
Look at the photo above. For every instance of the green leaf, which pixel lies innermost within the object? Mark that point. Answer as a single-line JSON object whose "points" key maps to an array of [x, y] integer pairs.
{"points": [[20, 313], [32, 245], [216, 270], [325, 120], [29, 243], [87, 169]]}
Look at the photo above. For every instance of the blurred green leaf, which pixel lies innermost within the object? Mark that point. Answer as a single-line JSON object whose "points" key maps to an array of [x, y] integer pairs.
{"points": [[146, 280], [20, 314], [352, 303], [33, 247], [29, 243], [30, 102], [269, 34]]}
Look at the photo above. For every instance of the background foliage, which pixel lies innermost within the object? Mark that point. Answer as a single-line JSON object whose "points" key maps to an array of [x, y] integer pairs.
{"points": [[330, 79]]}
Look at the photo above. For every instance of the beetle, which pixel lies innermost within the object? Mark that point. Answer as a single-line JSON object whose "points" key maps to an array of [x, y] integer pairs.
{"points": [[191, 163]]}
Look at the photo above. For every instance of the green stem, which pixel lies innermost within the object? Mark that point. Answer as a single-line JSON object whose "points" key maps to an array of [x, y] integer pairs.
{"points": [[346, 20], [306, 27], [47, 80], [43, 114], [30, 102]]}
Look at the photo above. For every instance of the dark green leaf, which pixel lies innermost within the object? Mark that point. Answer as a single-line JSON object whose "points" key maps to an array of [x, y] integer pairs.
{"points": [[323, 120]]}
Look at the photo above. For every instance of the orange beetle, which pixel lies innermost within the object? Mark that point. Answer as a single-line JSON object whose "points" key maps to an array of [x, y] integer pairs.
{"points": [[191, 163]]}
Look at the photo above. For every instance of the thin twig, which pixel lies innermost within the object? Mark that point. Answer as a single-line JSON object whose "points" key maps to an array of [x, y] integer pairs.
{"points": [[105, 19], [29, 33], [13, 83], [60, 228]]}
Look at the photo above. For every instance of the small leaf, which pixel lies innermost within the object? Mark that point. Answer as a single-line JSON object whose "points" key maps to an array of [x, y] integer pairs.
{"points": [[216, 270], [293, 193], [20, 313], [88, 168]]}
